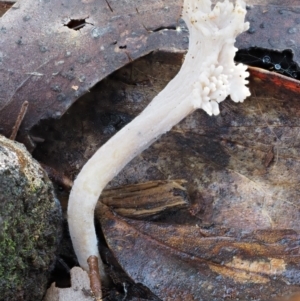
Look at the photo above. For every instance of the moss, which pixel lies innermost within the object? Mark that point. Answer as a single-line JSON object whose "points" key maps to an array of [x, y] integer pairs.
{"points": [[30, 221]]}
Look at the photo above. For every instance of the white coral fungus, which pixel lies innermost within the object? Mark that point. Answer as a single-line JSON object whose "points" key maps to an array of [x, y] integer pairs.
{"points": [[207, 76]]}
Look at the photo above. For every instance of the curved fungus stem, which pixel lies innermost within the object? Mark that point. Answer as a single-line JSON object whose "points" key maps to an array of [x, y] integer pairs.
{"points": [[208, 75]]}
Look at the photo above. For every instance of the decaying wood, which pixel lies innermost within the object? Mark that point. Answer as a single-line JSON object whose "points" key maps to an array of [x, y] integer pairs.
{"points": [[146, 199], [79, 290]]}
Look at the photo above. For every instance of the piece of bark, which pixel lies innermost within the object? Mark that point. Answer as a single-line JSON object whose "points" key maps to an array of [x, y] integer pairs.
{"points": [[148, 199], [79, 290]]}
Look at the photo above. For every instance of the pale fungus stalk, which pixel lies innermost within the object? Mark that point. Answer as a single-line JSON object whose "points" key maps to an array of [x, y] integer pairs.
{"points": [[208, 75]]}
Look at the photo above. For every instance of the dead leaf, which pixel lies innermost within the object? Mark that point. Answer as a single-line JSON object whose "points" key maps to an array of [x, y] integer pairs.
{"points": [[274, 24], [250, 208], [180, 262], [51, 60], [42, 56], [222, 158]]}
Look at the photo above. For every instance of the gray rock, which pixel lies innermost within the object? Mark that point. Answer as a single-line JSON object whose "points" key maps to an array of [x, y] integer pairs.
{"points": [[30, 223]]}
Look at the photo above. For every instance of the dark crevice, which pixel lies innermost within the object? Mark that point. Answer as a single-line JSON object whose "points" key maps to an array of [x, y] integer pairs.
{"points": [[278, 61], [5, 6], [164, 28], [77, 24]]}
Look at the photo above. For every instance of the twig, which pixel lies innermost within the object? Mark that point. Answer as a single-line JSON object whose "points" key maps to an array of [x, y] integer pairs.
{"points": [[19, 120], [94, 276], [58, 177], [109, 6]]}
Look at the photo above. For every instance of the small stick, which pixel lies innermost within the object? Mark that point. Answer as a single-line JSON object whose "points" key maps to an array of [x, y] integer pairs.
{"points": [[94, 276], [19, 120], [110, 8], [129, 57], [58, 177]]}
